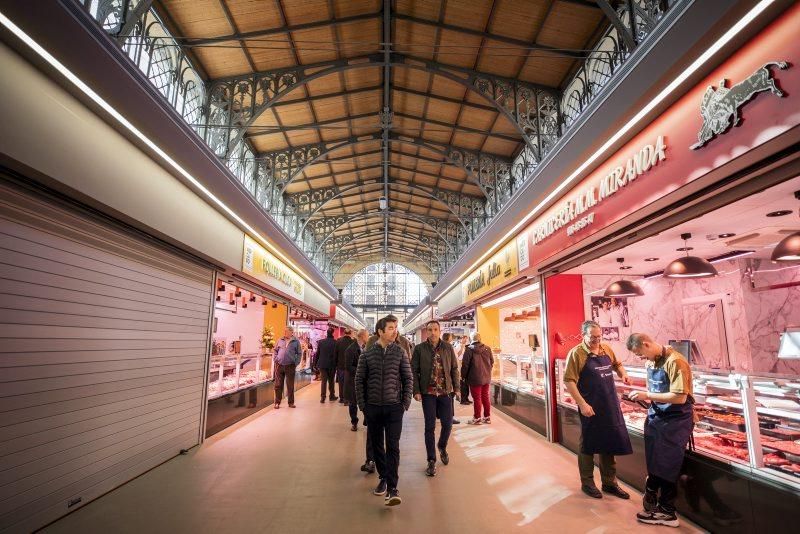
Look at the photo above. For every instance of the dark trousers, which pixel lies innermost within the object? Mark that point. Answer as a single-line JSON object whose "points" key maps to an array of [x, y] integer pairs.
{"points": [[385, 424], [284, 372], [340, 381], [665, 491], [353, 413], [465, 391], [326, 377], [434, 406], [608, 468], [480, 397]]}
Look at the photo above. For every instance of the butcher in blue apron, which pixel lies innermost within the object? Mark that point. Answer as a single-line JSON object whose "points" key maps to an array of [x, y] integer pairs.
{"points": [[589, 378], [668, 426]]}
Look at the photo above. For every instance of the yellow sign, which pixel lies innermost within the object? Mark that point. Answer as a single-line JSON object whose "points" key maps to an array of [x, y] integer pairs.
{"points": [[492, 274], [260, 264]]}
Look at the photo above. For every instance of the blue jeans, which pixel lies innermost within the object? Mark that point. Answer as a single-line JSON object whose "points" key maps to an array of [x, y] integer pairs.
{"points": [[434, 406]]}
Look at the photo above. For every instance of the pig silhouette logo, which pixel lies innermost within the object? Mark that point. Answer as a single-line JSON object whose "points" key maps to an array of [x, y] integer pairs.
{"points": [[720, 107]]}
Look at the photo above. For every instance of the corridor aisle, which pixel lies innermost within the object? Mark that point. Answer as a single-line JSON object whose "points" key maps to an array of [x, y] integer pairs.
{"points": [[297, 470]]}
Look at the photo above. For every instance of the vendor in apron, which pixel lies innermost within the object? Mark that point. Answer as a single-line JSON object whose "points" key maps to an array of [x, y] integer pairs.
{"points": [[668, 427], [589, 378]]}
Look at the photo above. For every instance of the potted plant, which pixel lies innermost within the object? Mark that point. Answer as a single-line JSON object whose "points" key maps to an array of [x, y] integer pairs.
{"points": [[267, 339]]}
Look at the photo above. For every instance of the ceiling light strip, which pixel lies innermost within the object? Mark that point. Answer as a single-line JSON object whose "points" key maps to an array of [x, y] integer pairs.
{"points": [[634, 121], [108, 108], [527, 289]]}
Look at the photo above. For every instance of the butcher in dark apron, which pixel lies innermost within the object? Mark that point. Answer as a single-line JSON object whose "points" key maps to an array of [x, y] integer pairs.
{"points": [[589, 377], [668, 428]]}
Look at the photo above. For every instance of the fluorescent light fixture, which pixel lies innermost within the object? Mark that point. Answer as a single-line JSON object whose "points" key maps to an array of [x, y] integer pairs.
{"points": [[634, 121], [108, 108], [732, 256], [522, 291]]}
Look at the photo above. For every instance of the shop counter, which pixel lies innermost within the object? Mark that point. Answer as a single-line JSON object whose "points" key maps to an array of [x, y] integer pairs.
{"points": [[722, 484], [520, 390]]}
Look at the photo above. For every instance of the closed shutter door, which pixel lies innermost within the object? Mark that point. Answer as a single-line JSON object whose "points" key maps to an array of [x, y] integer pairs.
{"points": [[103, 344]]}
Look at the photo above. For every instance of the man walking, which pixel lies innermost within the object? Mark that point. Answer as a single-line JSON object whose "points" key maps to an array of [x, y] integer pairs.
{"points": [[351, 356], [588, 376], [326, 361], [287, 356], [435, 376], [447, 337], [400, 340], [383, 391], [341, 346], [476, 372], [668, 427]]}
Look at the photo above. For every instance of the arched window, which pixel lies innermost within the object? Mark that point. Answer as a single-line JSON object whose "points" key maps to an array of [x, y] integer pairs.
{"points": [[385, 284]]}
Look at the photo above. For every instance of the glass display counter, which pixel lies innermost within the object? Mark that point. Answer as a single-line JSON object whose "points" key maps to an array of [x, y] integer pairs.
{"points": [[519, 389], [229, 373]]}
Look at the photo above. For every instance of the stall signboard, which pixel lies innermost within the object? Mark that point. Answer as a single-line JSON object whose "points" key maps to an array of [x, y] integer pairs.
{"points": [[502, 267], [687, 142], [262, 265]]}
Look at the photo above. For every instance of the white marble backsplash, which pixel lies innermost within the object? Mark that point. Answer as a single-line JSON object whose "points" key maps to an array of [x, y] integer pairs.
{"points": [[514, 334]]}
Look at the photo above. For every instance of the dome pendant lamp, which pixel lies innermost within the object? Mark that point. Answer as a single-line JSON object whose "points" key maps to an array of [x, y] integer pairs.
{"points": [[623, 288], [788, 249], [690, 266]]}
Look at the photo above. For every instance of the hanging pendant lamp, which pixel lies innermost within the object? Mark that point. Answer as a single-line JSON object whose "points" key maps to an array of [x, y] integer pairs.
{"points": [[788, 249], [689, 266], [623, 288]]}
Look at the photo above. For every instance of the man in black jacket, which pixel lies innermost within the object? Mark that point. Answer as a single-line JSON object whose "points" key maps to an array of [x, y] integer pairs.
{"points": [[342, 345], [326, 361], [383, 391], [351, 355], [435, 370]]}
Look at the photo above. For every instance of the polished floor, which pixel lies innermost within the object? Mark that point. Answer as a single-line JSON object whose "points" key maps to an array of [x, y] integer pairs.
{"points": [[297, 470]]}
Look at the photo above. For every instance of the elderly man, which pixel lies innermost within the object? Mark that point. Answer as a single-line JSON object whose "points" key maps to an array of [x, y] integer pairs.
{"points": [[476, 372], [287, 356], [435, 371], [326, 361], [589, 379], [668, 427]]}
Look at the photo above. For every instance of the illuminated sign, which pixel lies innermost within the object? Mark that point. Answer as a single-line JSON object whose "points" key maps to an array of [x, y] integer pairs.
{"points": [[492, 274], [260, 264], [584, 200]]}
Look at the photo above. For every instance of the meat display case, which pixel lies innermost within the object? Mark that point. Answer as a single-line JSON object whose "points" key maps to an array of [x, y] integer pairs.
{"points": [[229, 373], [519, 389], [752, 421]]}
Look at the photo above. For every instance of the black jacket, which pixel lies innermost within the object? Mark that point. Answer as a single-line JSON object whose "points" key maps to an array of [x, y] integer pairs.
{"points": [[383, 377], [326, 351], [341, 345], [351, 356], [422, 366], [476, 367]]}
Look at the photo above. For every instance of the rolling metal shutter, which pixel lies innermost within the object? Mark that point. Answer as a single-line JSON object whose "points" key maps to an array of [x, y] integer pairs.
{"points": [[103, 350]]}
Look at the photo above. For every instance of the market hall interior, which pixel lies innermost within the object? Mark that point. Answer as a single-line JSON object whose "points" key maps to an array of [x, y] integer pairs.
{"points": [[207, 208]]}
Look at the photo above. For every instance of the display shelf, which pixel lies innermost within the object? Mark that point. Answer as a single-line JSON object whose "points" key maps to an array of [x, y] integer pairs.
{"points": [[523, 373], [233, 372]]}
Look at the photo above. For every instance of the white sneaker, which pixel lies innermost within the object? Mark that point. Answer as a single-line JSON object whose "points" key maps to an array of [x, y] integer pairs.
{"points": [[487, 420], [475, 421]]}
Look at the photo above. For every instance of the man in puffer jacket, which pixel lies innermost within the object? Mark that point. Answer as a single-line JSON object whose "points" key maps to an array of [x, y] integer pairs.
{"points": [[383, 391]]}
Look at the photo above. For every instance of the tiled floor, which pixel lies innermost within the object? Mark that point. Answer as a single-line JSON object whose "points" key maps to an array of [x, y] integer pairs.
{"points": [[298, 471]]}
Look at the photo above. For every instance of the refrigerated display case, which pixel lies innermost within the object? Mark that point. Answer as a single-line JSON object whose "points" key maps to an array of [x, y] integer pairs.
{"points": [[519, 389], [229, 373]]}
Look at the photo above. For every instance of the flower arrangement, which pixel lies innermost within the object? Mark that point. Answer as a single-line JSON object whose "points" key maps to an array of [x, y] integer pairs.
{"points": [[268, 338]]}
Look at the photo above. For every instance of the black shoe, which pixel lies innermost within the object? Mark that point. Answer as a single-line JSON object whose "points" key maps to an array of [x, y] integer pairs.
{"points": [[456, 422], [658, 517], [444, 456], [592, 491], [616, 491], [354, 427], [292, 406], [466, 402], [334, 398], [380, 489], [322, 400], [277, 405], [368, 467], [392, 498], [431, 470], [649, 501]]}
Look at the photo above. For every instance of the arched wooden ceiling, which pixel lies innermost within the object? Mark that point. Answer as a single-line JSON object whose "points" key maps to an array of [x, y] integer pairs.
{"points": [[539, 42]]}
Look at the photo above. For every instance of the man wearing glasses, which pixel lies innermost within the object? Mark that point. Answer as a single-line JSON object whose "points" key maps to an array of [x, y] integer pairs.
{"points": [[588, 377]]}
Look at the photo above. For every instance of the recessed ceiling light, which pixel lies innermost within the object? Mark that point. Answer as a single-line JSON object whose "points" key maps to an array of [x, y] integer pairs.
{"points": [[651, 259], [723, 236], [779, 213], [684, 249]]}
